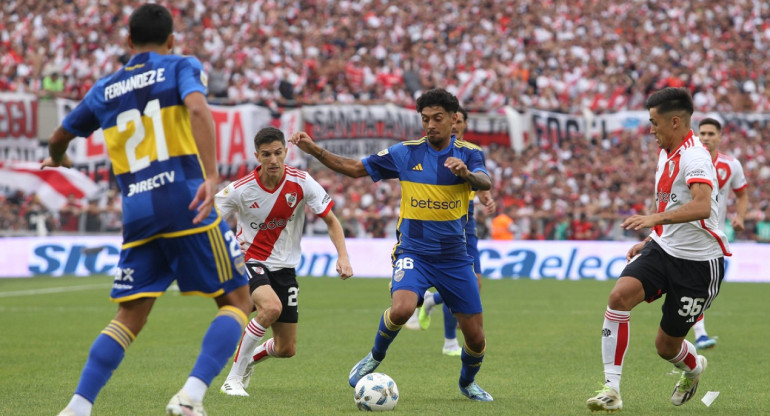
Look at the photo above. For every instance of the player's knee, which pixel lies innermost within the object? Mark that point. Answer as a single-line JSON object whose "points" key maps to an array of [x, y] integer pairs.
{"points": [[270, 311], [476, 342], [619, 301], [400, 315]]}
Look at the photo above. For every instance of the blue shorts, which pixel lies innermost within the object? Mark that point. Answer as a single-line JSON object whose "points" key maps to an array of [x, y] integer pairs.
{"points": [[209, 263], [472, 246], [453, 279]]}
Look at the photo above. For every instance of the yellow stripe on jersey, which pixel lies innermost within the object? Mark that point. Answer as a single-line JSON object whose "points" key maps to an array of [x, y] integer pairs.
{"points": [[414, 142], [216, 294], [120, 333], [175, 126], [428, 202], [224, 271], [469, 145], [182, 233], [137, 296], [471, 196]]}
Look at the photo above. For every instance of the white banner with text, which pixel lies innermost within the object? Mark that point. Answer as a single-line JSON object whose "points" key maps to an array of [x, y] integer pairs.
{"points": [[560, 260]]}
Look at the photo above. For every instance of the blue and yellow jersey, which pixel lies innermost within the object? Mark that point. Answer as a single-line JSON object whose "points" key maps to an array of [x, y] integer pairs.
{"points": [[434, 202], [150, 142], [470, 227]]}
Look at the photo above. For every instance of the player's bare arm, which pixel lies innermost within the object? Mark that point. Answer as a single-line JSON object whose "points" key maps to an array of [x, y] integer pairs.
{"points": [[349, 167], [57, 149], [697, 209], [202, 124], [741, 205], [485, 197], [337, 235], [478, 180]]}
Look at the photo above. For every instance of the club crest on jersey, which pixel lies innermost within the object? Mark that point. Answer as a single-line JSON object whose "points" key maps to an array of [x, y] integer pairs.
{"points": [[671, 167], [722, 173], [291, 199]]}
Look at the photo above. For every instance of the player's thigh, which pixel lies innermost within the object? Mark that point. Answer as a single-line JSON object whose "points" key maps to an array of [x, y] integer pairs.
{"points": [[284, 283], [651, 269], [259, 284], [143, 271], [209, 263], [693, 286], [457, 284], [411, 272]]}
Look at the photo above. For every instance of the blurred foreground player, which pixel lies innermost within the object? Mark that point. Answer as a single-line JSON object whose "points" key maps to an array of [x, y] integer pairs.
{"points": [[161, 141]]}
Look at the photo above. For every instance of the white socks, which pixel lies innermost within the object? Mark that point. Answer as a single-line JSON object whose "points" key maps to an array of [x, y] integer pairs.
{"points": [[252, 336], [687, 360], [615, 335]]}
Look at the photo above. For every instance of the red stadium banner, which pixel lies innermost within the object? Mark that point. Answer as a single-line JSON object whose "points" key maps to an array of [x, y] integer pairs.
{"points": [[52, 185], [359, 130], [18, 126]]}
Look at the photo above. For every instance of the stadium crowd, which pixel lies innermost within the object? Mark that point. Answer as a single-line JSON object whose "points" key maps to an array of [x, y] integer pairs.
{"points": [[552, 55], [560, 56], [581, 191]]}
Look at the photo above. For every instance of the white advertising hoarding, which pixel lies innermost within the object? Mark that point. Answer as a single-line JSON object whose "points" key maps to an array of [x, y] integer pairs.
{"points": [[560, 260]]}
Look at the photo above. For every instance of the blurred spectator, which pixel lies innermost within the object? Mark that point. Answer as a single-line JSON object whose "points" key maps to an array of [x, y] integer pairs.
{"points": [[503, 225], [69, 215], [763, 228], [53, 86], [93, 217]]}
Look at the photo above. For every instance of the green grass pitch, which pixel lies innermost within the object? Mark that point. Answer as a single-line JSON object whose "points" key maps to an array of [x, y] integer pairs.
{"points": [[543, 352]]}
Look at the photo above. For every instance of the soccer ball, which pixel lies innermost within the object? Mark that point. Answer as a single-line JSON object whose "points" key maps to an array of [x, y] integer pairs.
{"points": [[376, 392]]}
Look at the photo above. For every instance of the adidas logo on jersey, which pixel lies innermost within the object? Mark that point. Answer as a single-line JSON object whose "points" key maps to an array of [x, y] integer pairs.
{"points": [[417, 167], [254, 205]]}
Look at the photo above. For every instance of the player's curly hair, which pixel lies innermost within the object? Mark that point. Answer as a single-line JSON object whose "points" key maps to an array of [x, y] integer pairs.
{"points": [[438, 97], [268, 135], [150, 24], [671, 99]]}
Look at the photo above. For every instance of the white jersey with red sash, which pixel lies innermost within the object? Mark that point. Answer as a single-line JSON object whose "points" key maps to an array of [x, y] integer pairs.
{"points": [[684, 166], [730, 176], [271, 221]]}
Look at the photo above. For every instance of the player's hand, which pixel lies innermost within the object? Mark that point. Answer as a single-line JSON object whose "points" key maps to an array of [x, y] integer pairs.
{"points": [[50, 163], [635, 250], [344, 269], [301, 140], [204, 199], [489, 203], [737, 224], [637, 222], [457, 167]]}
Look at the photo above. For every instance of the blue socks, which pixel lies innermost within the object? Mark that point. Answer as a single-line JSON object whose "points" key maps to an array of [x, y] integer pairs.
{"points": [[219, 343], [450, 324], [471, 365], [105, 355], [386, 333]]}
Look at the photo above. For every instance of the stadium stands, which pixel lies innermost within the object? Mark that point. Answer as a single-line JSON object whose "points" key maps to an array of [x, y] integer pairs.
{"points": [[559, 56]]}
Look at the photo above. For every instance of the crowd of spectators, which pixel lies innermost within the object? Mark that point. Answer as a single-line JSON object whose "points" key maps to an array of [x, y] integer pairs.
{"points": [[580, 190], [565, 56], [553, 55]]}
